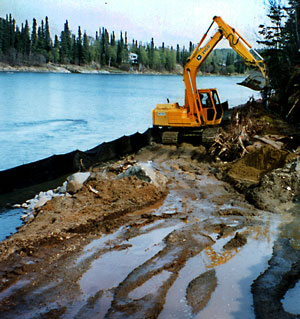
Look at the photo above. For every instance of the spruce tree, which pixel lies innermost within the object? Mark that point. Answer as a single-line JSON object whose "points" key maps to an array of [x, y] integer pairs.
{"points": [[177, 54], [48, 41], [66, 44], [85, 50], [34, 39], [25, 36], [120, 48], [79, 47], [113, 50]]}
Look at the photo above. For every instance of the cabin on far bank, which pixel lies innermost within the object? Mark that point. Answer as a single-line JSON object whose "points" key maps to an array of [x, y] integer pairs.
{"points": [[132, 58]]}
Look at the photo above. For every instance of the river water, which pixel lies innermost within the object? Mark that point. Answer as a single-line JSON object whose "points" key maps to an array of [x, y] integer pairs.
{"points": [[43, 114]]}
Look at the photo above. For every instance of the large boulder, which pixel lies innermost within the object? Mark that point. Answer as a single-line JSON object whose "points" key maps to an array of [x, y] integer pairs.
{"points": [[76, 181], [279, 189], [146, 172]]}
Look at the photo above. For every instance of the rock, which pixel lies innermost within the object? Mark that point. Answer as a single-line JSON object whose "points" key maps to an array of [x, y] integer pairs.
{"points": [[43, 198], [76, 181], [146, 172], [62, 189], [278, 189]]}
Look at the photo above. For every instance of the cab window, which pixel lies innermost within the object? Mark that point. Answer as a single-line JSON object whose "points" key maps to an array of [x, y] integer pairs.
{"points": [[215, 97], [205, 100]]}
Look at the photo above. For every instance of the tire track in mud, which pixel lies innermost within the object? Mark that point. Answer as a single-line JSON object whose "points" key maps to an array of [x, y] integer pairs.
{"points": [[160, 255]]}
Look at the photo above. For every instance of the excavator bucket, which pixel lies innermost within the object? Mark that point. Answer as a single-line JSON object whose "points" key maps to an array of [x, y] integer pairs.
{"points": [[255, 81]]}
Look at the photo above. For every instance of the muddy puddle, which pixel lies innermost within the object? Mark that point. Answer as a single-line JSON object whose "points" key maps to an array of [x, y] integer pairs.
{"points": [[195, 255], [147, 272]]}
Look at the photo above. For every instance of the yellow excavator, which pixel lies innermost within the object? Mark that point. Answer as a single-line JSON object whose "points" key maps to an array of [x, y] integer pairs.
{"points": [[202, 107]]}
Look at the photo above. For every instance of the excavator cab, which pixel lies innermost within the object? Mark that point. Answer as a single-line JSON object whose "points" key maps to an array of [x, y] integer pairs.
{"points": [[212, 108]]}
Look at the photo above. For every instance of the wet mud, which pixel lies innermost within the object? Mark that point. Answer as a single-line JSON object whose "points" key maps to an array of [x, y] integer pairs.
{"points": [[136, 250]]}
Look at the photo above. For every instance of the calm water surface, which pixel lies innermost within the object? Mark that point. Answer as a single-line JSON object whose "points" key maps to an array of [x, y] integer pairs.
{"points": [[46, 114]]}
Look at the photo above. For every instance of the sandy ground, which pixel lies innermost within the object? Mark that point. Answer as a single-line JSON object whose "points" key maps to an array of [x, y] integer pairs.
{"points": [[204, 239]]}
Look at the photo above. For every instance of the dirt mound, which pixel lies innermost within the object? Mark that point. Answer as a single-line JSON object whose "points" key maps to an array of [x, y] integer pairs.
{"points": [[248, 170], [97, 206]]}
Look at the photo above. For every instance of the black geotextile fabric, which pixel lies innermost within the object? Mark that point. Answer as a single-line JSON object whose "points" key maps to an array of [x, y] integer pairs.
{"points": [[56, 166]]}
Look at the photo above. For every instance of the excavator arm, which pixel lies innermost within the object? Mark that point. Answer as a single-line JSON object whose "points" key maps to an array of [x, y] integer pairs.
{"points": [[199, 55]]}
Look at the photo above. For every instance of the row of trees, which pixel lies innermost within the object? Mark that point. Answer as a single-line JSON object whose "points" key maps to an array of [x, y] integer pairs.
{"points": [[35, 46], [281, 37]]}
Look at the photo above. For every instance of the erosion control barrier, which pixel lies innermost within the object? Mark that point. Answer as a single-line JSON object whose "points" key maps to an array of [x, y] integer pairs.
{"points": [[19, 183]]}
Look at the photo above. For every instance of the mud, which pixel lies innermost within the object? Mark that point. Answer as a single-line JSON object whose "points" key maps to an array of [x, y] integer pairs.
{"points": [[207, 239], [199, 290], [120, 252]]}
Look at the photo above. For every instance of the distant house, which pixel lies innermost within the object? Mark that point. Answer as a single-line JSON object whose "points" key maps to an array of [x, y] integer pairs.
{"points": [[133, 58]]}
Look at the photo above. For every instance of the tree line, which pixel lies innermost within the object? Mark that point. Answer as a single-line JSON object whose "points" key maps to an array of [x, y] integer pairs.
{"points": [[34, 46]]}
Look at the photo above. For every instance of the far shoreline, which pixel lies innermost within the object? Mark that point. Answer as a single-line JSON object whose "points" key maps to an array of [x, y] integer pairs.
{"points": [[92, 69]]}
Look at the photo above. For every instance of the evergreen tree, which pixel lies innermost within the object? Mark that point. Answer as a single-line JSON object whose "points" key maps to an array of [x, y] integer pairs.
{"points": [[74, 53], [85, 50], [120, 48], [178, 55], [34, 39], [163, 57], [125, 53], [66, 44], [25, 38], [56, 49], [151, 53], [18, 39], [48, 41], [113, 50], [106, 47], [292, 32], [97, 53], [41, 38], [12, 26], [79, 47], [281, 37], [134, 47]]}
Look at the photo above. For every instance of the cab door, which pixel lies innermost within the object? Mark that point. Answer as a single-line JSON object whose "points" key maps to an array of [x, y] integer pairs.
{"points": [[208, 106]]}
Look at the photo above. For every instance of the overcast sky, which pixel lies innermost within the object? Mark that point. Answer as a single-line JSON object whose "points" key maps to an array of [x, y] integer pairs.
{"points": [[171, 21]]}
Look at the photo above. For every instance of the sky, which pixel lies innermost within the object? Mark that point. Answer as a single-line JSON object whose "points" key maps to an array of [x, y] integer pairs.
{"points": [[169, 21]]}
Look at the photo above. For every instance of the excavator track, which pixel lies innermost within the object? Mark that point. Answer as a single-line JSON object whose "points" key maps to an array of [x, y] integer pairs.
{"points": [[209, 134], [205, 136], [170, 137]]}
